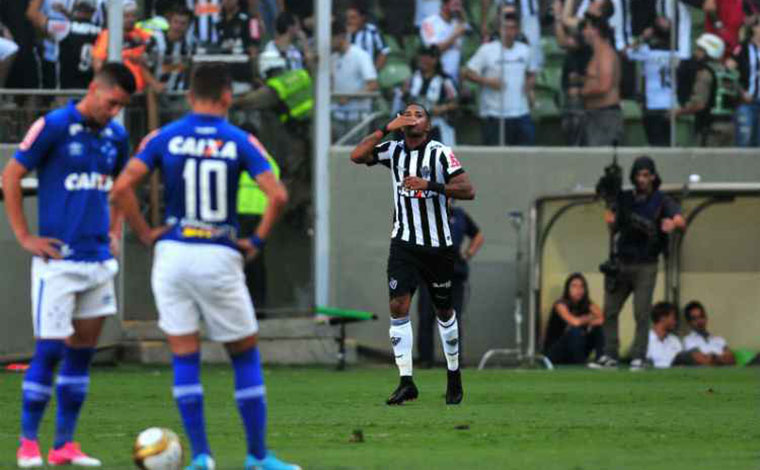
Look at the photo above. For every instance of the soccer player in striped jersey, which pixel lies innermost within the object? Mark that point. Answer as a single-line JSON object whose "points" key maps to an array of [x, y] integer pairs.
{"points": [[198, 258], [426, 174], [76, 151]]}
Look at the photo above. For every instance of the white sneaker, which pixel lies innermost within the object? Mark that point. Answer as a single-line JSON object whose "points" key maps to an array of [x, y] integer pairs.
{"points": [[637, 365], [604, 362]]}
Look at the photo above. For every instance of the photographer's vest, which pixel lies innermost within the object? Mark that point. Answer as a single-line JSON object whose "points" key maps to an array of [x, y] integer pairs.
{"points": [[294, 90], [251, 199], [640, 239]]}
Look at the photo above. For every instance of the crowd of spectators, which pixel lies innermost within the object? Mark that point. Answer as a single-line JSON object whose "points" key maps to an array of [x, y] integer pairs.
{"points": [[592, 68]]}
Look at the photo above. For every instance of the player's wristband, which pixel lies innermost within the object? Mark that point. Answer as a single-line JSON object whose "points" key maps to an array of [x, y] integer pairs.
{"points": [[257, 242], [384, 130], [437, 187]]}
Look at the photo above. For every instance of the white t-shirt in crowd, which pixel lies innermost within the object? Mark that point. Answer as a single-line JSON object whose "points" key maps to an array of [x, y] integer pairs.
{"points": [[659, 89], [663, 352], [425, 8], [710, 345], [350, 73], [435, 30], [493, 60]]}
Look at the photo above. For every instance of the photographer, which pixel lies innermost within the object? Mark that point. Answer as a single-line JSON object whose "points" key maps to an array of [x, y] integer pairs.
{"points": [[640, 221]]}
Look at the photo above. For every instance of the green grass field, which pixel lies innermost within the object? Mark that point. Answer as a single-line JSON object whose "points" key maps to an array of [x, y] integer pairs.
{"points": [[568, 419]]}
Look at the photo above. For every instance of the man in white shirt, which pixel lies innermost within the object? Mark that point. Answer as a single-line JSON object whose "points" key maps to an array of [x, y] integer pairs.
{"points": [[445, 30], [713, 348], [425, 8], [352, 72], [530, 23], [506, 74], [664, 348], [659, 93]]}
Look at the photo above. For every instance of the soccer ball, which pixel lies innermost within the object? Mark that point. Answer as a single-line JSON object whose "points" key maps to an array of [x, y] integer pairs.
{"points": [[158, 449]]}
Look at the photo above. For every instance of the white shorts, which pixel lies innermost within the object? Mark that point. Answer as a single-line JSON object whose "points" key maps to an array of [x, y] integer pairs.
{"points": [[202, 281], [63, 291], [7, 48]]}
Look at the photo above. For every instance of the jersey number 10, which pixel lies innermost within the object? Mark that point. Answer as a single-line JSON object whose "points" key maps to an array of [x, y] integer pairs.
{"points": [[199, 176]]}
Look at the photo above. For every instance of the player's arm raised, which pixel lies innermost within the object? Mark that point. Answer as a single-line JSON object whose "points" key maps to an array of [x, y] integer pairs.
{"points": [[123, 198], [277, 198], [362, 153], [38, 246]]}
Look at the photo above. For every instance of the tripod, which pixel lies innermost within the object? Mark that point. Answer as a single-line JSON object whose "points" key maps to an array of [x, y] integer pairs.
{"points": [[517, 220]]}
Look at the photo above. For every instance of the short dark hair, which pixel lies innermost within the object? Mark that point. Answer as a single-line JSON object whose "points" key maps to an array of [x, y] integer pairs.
{"points": [[661, 310], [210, 81], [338, 28], [359, 7], [182, 10], [284, 21], [164, 7], [691, 306], [117, 74]]}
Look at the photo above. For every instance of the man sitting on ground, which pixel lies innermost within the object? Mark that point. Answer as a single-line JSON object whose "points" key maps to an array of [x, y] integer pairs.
{"points": [[664, 348], [714, 348]]}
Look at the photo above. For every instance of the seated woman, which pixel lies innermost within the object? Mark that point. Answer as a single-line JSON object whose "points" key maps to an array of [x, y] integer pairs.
{"points": [[574, 328]]}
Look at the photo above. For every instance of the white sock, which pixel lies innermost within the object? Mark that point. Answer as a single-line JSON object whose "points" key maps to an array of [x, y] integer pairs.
{"points": [[450, 341], [402, 340]]}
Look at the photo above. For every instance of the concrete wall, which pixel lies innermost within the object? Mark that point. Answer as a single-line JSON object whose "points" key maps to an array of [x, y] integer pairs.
{"points": [[504, 180]]}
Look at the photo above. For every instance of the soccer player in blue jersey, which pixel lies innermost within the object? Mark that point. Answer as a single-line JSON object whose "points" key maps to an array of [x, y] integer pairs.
{"points": [[198, 257], [76, 150]]}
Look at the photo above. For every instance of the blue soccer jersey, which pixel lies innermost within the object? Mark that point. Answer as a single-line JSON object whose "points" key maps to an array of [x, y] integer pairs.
{"points": [[76, 164], [201, 158]]}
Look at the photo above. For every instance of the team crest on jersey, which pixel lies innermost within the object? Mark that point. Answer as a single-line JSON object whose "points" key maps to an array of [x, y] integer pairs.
{"points": [[393, 284], [211, 148], [76, 149], [425, 172]]}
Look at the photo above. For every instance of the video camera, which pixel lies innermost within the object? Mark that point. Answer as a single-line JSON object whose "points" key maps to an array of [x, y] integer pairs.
{"points": [[608, 188], [610, 184]]}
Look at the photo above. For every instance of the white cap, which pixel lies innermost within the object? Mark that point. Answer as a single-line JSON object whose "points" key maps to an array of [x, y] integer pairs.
{"points": [[270, 60], [130, 5], [712, 45]]}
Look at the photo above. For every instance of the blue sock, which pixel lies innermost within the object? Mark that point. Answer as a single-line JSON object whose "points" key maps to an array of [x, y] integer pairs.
{"points": [[250, 395], [38, 385], [188, 393], [71, 391]]}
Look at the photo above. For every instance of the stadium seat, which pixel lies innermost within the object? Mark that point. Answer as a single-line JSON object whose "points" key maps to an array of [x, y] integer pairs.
{"points": [[470, 45], [395, 49], [412, 44], [631, 110], [393, 74]]}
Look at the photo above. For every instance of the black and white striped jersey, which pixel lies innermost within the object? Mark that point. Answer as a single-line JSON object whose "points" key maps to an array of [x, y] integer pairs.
{"points": [[370, 39], [168, 52], [419, 217], [207, 16]]}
